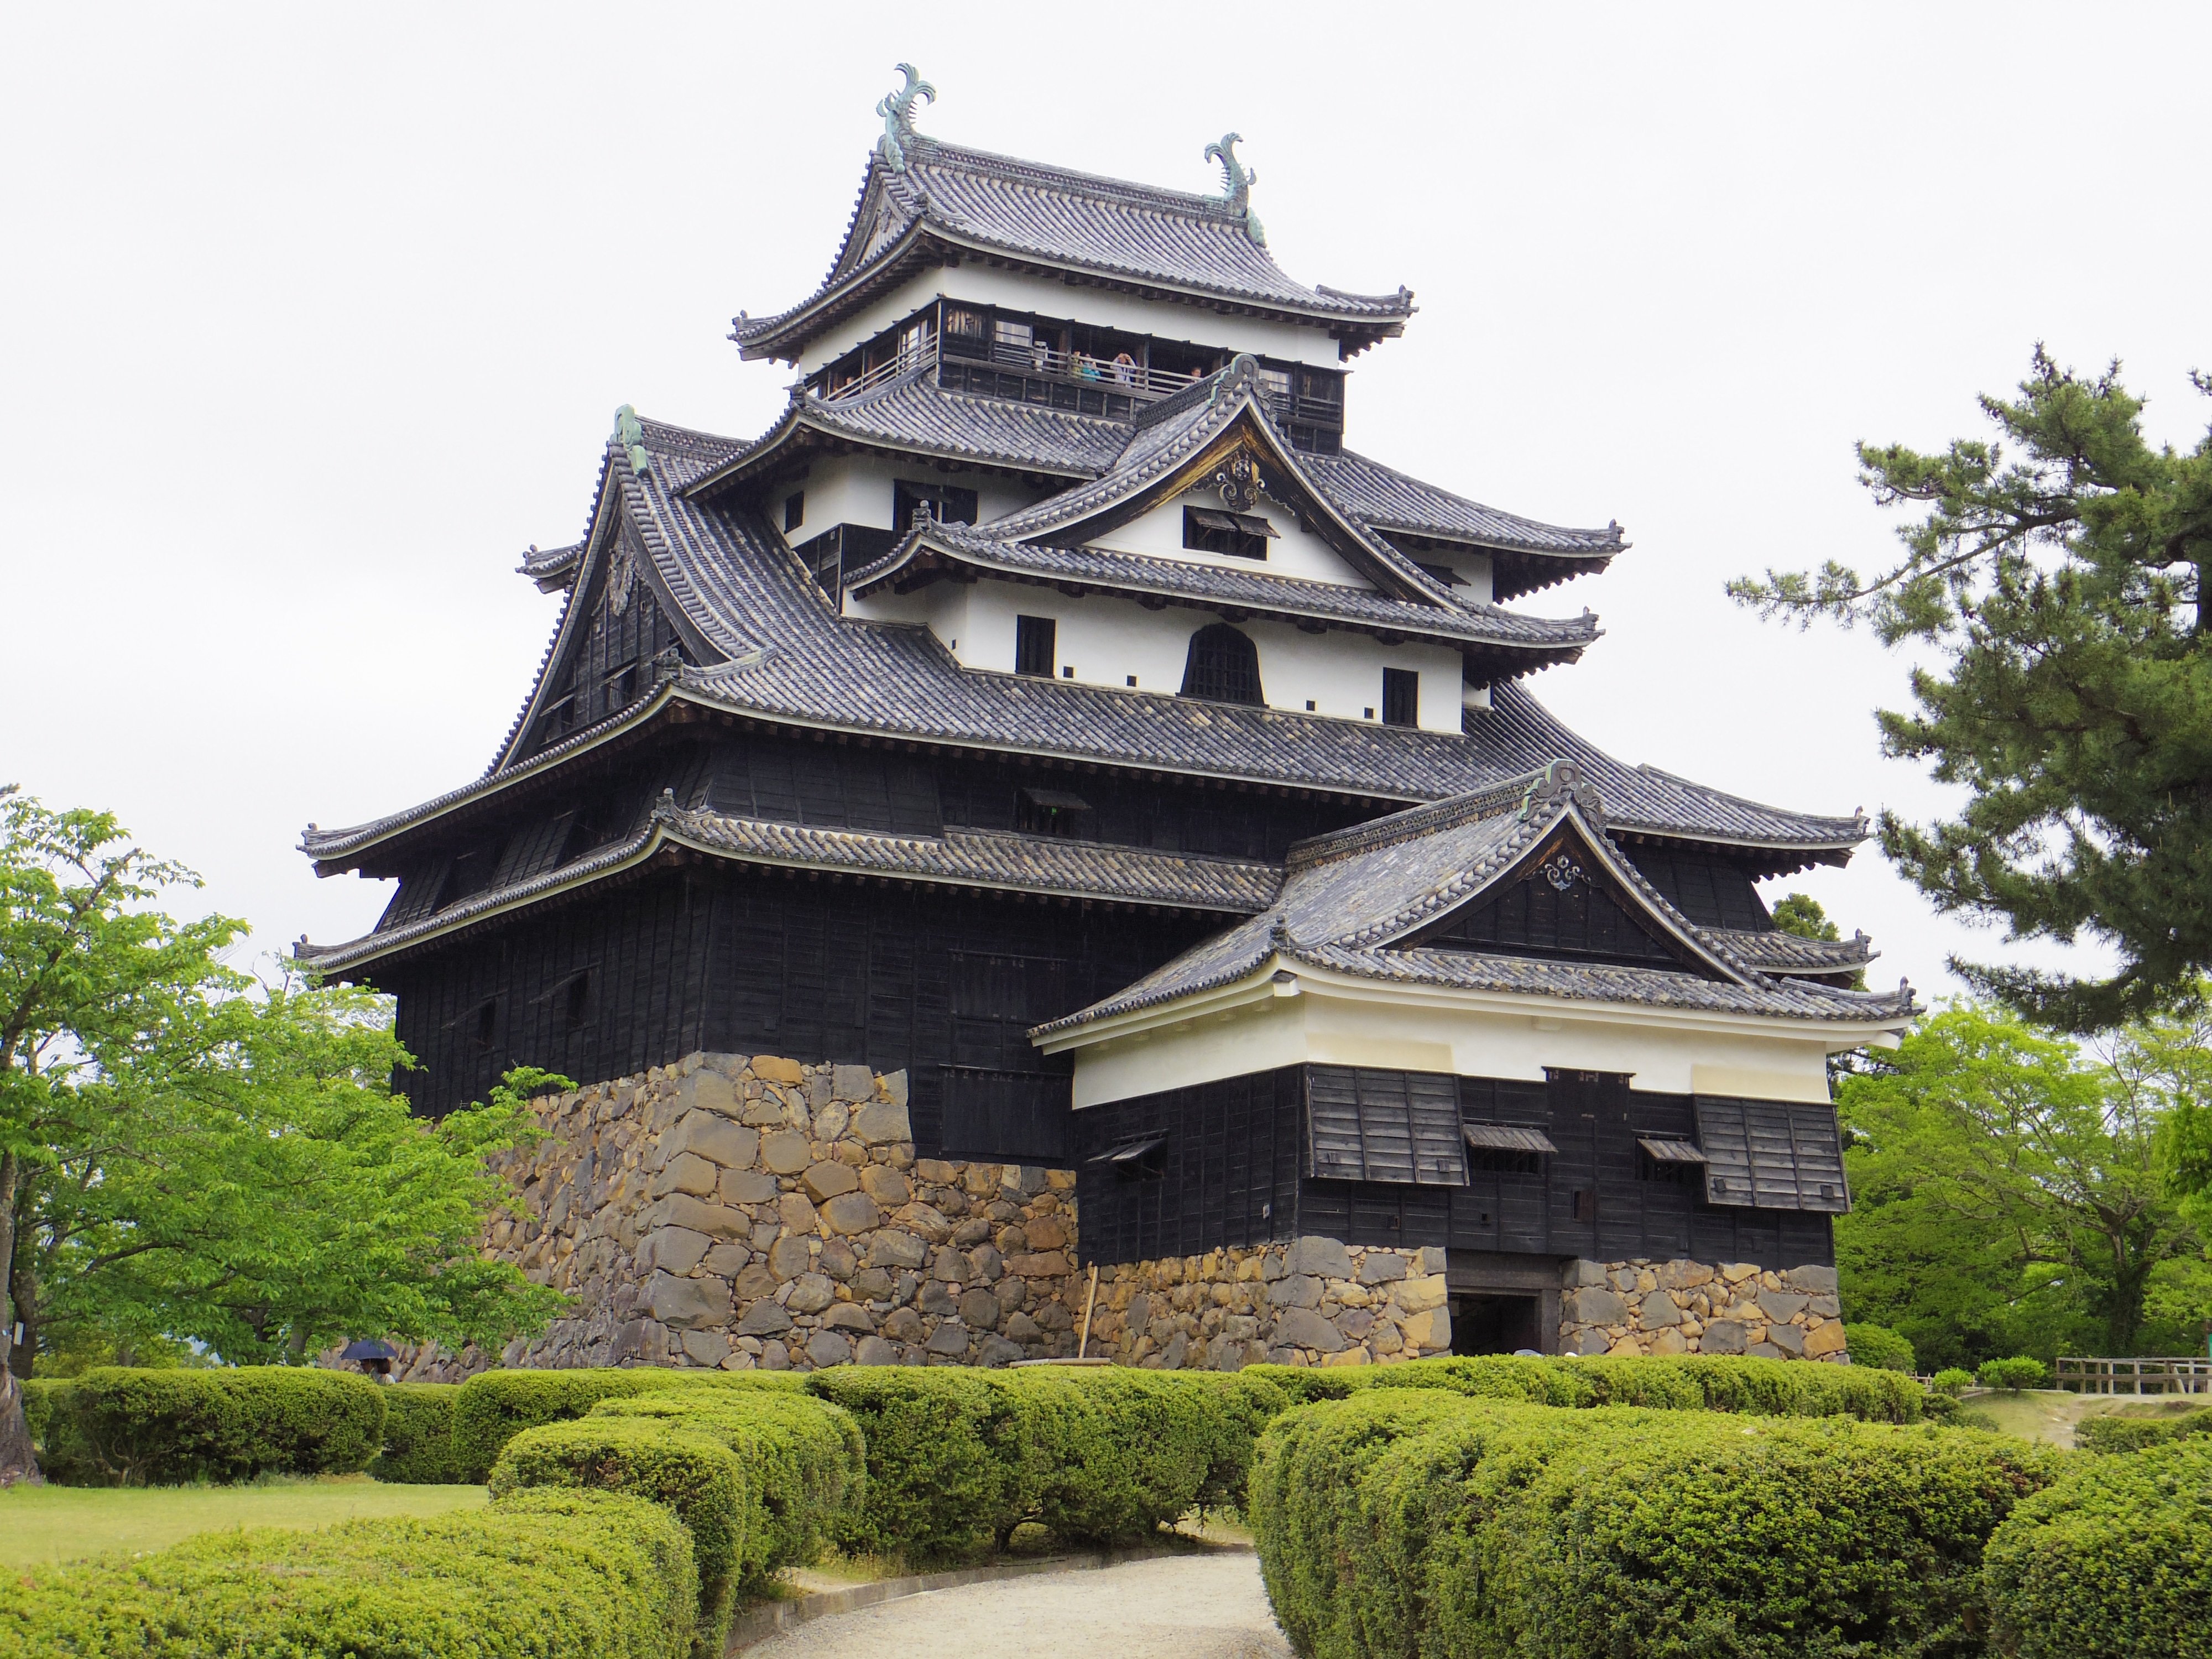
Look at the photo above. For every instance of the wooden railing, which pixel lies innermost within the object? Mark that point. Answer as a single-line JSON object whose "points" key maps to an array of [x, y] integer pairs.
{"points": [[2189, 1375]]}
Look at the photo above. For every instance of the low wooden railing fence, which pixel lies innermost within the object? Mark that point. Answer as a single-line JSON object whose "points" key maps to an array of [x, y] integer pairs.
{"points": [[2191, 1374]]}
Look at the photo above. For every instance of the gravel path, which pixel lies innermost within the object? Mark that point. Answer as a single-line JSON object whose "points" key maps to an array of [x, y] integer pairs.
{"points": [[1182, 1607]]}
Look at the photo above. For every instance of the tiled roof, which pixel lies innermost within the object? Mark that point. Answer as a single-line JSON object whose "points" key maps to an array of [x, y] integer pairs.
{"points": [[916, 416], [1171, 242], [1040, 865], [1773, 951], [1185, 581], [770, 645], [1181, 430], [1390, 499], [1350, 899]]}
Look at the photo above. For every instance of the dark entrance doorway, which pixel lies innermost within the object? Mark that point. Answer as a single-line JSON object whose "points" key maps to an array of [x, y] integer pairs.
{"points": [[1494, 1324]]}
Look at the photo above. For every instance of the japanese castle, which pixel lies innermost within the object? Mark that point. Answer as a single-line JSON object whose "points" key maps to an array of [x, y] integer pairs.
{"points": [[1057, 707]]}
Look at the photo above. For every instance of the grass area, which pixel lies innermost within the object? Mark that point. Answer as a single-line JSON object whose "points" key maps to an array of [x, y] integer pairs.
{"points": [[2051, 1415], [44, 1526]]}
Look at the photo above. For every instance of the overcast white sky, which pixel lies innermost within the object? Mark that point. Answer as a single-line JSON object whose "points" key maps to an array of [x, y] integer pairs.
{"points": [[312, 318]]}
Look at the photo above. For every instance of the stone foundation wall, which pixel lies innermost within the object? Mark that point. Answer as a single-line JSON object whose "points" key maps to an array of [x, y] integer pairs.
{"points": [[1313, 1302], [753, 1211], [1643, 1307]]}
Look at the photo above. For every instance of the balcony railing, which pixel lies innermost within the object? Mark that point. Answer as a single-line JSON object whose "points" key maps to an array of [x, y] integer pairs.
{"points": [[1085, 383]]}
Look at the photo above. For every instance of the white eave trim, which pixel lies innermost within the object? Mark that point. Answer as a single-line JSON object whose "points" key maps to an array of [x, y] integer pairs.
{"points": [[1266, 982]]}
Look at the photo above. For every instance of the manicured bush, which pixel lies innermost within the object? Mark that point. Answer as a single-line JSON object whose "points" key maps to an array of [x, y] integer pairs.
{"points": [[2114, 1560], [540, 1576], [2128, 1434], [957, 1459], [1793, 1537], [1773, 1388], [1401, 1523], [494, 1407], [944, 1458], [1796, 1388], [1879, 1348], [805, 1468], [162, 1427], [1483, 1376], [2014, 1374], [1952, 1381], [694, 1476], [418, 1436]]}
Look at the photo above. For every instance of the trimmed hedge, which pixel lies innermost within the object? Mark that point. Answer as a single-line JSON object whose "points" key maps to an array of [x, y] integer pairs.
{"points": [[1770, 1387], [540, 1576], [1401, 1523], [164, 1427], [418, 1436], [804, 1467], [494, 1407], [698, 1479], [2128, 1434], [2115, 1560], [959, 1458]]}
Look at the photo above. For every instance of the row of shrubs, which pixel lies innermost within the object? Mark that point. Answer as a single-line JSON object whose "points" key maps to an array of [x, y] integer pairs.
{"points": [[158, 1427], [1765, 1387], [1393, 1523], [2128, 1434], [753, 1472]]}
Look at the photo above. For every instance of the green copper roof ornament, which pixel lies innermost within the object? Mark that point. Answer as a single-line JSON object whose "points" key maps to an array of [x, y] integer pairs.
{"points": [[896, 108], [630, 435], [1236, 182]]}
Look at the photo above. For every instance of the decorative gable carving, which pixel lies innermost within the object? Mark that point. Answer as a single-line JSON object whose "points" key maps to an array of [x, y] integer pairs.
{"points": [[1561, 903]]}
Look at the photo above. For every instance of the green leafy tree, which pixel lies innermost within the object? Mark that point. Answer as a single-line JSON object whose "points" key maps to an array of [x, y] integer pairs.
{"points": [[2007, 1193], [2060, 578], [187, 1157]]}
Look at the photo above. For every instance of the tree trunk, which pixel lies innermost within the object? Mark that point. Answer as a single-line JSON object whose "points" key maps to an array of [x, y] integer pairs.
{"points": [[19, 1464]]}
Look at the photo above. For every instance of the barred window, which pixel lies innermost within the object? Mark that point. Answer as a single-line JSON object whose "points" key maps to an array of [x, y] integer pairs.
{"points": [[1224, 666]]}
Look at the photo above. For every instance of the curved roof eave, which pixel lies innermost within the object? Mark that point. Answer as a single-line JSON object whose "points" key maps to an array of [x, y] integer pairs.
{"points": [[785, 336]]}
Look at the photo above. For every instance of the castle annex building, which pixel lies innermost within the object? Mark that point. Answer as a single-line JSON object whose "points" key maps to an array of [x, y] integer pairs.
{"points": [[1052, 801]]}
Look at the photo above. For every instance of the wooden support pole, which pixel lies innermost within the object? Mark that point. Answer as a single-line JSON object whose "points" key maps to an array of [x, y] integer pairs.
{"points": [[1089, 1302]]}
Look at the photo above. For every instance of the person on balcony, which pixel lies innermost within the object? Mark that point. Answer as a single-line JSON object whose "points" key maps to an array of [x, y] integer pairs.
{"points": [[1125, 368]]}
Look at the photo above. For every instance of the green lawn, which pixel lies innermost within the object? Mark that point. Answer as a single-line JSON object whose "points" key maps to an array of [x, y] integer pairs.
{"points": [[42, 1526], [2050, 1414]]}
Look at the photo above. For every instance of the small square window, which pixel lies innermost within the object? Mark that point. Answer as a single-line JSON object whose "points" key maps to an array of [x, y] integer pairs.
{"points": [[1133, 679], [1367, 713], [1402, 697], [1067, 670], [794, 509], [1035, 646], [1309, 705]]}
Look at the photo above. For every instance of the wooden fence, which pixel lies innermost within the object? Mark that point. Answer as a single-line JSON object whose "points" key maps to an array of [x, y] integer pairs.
{"points": [[2189, 1375]]}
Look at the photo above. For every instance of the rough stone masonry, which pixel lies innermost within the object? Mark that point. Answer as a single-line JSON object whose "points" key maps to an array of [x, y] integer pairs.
{"points": [[745, 1211], [750, 1211]]}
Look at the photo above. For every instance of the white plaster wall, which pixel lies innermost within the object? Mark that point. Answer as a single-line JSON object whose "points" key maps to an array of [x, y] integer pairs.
{"points": [[856, 489], [1291, 552], [1049, 297], [1342, 674], [1473, 568], [1105, 640], [1314, 1028]]}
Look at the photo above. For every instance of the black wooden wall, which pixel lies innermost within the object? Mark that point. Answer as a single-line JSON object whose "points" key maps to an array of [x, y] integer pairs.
{"points": [[1229, 1174], [1599, 1196], [943, 986]]}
